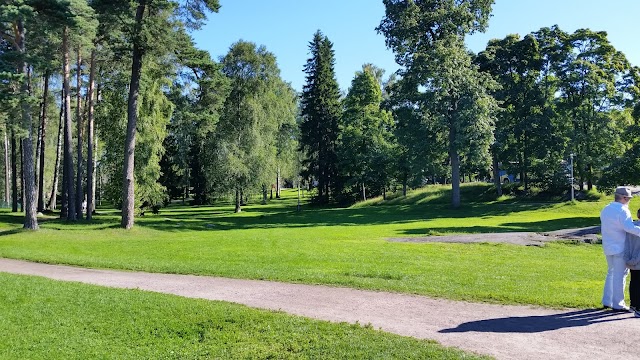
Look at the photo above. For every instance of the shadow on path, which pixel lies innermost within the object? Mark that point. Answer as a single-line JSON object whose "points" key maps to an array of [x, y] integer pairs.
{"points": [[536, 324]]}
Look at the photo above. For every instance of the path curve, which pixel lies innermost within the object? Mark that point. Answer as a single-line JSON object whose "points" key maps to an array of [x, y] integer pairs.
{"points": [[505, 332]]}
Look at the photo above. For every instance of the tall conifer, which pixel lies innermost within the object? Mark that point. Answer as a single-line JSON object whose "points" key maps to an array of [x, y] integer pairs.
{"points": [[321, 112]]}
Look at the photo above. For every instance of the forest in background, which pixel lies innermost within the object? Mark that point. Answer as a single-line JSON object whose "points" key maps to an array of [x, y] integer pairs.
{"points": [[112, 101]]}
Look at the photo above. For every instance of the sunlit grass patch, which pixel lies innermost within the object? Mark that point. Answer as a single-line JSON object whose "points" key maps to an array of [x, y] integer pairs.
{"points": [[44, 319]]}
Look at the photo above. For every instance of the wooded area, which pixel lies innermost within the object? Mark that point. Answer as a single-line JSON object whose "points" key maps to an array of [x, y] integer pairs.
{"points": [[111, 101]]}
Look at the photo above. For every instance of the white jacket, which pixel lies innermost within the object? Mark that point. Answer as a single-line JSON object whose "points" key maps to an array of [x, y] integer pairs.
{"points": [[616, 222]]}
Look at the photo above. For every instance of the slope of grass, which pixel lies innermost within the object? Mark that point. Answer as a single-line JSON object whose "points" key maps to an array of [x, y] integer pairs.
{"points": [[43, 319], [344, 247]]}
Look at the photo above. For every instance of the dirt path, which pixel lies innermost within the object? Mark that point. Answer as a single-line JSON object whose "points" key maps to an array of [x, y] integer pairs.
{"points": [[506, 332]]}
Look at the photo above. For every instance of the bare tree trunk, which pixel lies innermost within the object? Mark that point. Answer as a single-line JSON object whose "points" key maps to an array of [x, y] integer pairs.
{"points": [[364, 192], [264, 194], [95, 175], [79, 192], [56, 170], [91, 196], [128, 186], [7, 180], [496, 175], [43, 136], [238, 197], [455, 169], [38, 142], [21, 178], [14, 173], [69, 196], [278, 183], [30, 216]]}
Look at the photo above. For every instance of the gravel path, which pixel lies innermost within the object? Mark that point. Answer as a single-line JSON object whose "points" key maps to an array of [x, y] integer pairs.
{"points": [[587, 235], [505, 332]]}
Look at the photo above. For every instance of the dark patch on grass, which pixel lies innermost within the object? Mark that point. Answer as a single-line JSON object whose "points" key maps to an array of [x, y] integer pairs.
{"points": [[12, 231]]}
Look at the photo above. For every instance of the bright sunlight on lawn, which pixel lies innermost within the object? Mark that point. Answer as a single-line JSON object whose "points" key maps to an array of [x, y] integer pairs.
{"points": [[57, 320], [343, 247]]}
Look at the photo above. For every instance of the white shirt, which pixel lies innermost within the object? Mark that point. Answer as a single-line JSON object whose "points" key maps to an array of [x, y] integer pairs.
{"points": [[616, 222]]}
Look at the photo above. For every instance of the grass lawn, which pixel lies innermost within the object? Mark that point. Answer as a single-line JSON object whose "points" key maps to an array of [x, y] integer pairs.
{"points": [[44, 319], [343, 247]]}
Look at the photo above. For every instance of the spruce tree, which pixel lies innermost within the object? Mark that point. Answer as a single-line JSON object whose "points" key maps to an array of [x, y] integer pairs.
{"points": [[321, 112]]}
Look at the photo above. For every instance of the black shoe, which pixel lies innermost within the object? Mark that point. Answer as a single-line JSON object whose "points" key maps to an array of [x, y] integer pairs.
{"points": [[624, 309]]}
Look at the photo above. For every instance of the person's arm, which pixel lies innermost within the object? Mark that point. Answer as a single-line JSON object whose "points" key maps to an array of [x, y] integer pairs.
{"points": [[628, 225]]}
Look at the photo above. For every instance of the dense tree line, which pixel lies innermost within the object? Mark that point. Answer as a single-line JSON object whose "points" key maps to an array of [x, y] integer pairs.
{"points": [[112, 101]]}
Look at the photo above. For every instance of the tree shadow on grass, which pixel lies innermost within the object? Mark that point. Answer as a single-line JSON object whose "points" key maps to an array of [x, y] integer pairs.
{"points": [[258, 217], [536, 226], [537, 324], [284, 215], [12, 231], [567, 223], [11, 218]]}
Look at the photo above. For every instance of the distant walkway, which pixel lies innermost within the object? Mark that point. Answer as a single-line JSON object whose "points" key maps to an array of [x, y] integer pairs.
{"points": [[506, 332]]}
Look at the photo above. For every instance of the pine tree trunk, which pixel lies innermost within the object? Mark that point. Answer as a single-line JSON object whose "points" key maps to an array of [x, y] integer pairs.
{"points": [[7, 180], [65, 189], [21, 178], [14, 173], [30, 216], [91, 200], [56, 170], [38, 142], [69, 197], [128, 194], [43, 136], [79, 192], [96, 175]]}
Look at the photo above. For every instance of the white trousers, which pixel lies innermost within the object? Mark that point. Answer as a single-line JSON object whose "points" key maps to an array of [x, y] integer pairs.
{"points": [[613, 294]]}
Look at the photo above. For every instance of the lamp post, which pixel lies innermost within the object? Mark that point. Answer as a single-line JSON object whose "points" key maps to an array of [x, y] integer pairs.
{"points": [[571, 156]]}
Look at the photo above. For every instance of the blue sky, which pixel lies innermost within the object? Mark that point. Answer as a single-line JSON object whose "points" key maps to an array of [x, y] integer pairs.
{"points": [[285, 27]]}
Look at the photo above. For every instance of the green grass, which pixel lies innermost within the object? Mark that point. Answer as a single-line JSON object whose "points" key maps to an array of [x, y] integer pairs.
{"points": [[344, 247], [44, 319]]}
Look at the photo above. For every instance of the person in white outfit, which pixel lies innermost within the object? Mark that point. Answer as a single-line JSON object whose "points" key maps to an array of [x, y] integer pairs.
{"points": [[616, 222]]}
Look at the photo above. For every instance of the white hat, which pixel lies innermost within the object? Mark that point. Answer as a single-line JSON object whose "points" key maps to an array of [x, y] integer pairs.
{"points": [[623, 191]]}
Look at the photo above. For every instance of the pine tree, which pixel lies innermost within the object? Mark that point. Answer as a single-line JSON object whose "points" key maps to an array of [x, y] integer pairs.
{"points": [[321, 112], [151, 28]]}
